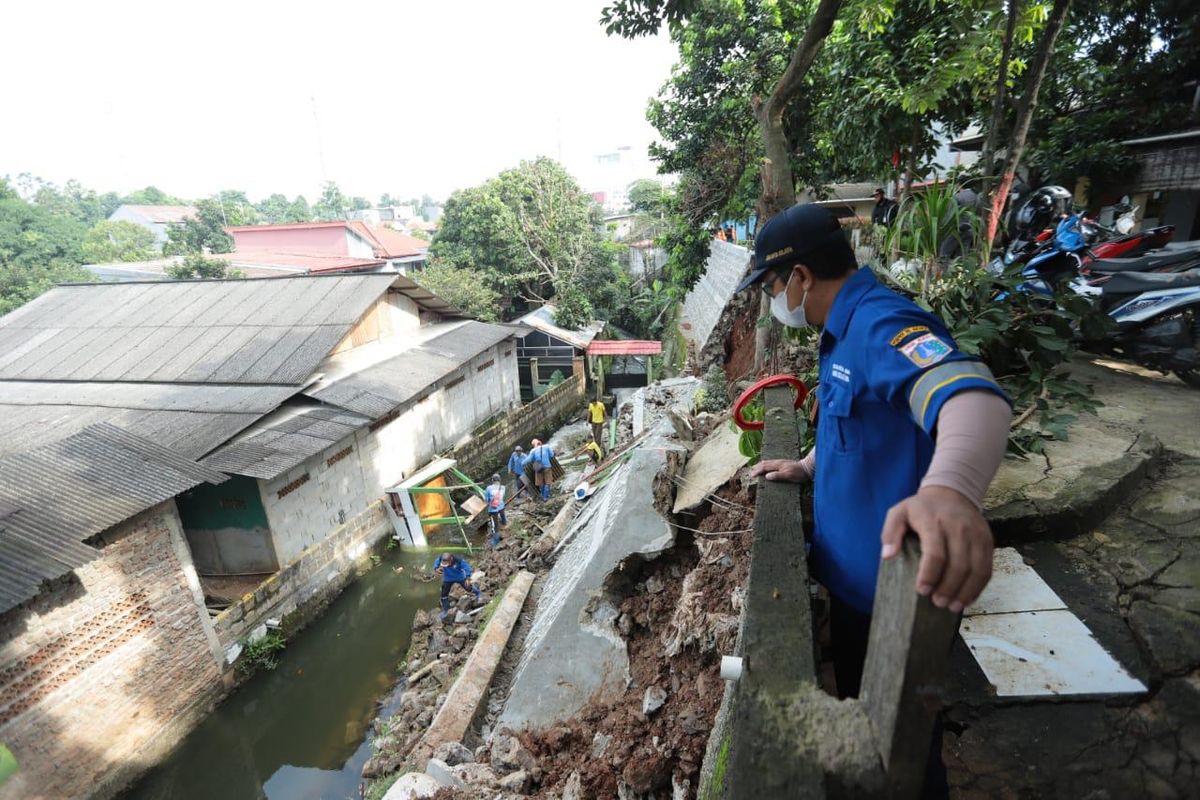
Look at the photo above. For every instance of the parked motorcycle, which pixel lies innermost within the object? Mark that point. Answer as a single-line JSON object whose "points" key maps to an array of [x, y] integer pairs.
{"points": [[1154, 299]]}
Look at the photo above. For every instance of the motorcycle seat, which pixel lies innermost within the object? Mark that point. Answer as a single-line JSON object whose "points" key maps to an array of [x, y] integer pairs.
{"points": [[1154, 260], [1135, 282]]}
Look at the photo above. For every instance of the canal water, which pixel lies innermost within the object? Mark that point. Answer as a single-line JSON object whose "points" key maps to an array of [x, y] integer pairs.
{"points": [[300, 731]]}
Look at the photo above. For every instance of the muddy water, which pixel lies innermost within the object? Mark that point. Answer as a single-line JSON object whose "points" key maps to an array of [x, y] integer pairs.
{"points": [[300, 732]]}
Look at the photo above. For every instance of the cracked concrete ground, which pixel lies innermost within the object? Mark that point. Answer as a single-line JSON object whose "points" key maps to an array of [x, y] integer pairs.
{"points": [[1134, 580]]}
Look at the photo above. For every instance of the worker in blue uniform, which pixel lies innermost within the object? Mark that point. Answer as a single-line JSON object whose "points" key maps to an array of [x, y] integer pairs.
{"points": [[910, 432], [455, 571]]}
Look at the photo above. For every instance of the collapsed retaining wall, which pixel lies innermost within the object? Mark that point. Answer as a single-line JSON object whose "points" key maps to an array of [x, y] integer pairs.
{"points": [[707, 300], [491, 446]]}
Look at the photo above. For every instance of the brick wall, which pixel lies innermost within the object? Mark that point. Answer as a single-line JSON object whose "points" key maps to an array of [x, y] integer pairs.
{"points": [[489, 448], [104, 672], [317, 575]]}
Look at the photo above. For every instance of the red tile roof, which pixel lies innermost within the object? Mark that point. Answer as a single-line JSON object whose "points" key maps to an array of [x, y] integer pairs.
{"points": [[624, 347], [386, 243], [300, 262]]}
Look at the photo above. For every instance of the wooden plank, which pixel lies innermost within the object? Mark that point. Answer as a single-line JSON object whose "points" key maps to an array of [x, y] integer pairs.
{"points": [[906, 659], [765, 757]]}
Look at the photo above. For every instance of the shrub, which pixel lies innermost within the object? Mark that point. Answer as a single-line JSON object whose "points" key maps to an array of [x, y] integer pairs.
{"points": [[261, 654], [713, 395]]}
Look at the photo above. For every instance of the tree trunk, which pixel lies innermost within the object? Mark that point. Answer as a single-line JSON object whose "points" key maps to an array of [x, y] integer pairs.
{"points": [[988, 155], [1025, 109], [778, 186]]}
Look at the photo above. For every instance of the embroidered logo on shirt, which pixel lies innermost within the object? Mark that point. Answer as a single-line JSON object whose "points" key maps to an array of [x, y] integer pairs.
{"points": [[841, 373], [907, 332], [926, 350]]}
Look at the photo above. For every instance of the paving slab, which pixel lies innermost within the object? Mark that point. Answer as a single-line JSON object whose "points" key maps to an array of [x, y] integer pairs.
{"points": [[1015, 586], [573, 651], [714, 463]]}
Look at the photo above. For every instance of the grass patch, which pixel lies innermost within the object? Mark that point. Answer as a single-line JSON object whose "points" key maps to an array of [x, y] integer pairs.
{"points": [[261, 654], [715, 787], [379, 788]]}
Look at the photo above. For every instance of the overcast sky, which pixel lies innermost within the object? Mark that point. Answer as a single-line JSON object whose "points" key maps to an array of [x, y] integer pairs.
{"points": [[402, 97]]}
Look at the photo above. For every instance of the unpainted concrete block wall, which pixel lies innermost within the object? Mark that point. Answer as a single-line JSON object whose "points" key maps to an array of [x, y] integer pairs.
{"points": [[488, 449], [704, 303], [317, 575], [109, 668], [379, 459]]}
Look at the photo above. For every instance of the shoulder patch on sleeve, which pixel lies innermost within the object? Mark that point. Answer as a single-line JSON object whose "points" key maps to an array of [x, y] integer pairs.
{"points": [[926, 350], [907, 332]]}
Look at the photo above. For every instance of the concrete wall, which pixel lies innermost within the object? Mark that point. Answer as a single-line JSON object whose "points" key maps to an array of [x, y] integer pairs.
{"points": [[313, 578], [318, 496], [704, 303], [102, 673], [488, 450], [226, 528]]}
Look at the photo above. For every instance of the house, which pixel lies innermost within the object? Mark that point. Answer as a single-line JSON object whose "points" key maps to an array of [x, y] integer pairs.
{"points": [[394, 251], [156, 219], [549, 349], [181, 462], [1167, 188]]}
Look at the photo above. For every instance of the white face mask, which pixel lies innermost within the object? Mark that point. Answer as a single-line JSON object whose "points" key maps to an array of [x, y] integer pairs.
{"points": [[792, 317]]}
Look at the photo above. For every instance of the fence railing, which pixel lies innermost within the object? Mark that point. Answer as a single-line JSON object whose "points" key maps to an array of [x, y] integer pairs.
{"points": [[788, 738]]}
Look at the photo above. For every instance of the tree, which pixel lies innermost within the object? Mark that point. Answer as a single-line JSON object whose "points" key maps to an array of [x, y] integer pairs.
{"points": [[1115, 75], [38, 249], [118, 240], [152, 196], [646, 196], [199, 266], [202, 233], [236, 208], [461, 288], [533, 236], [299, 211], [332, 205], [1025, 108], [359, 203]]}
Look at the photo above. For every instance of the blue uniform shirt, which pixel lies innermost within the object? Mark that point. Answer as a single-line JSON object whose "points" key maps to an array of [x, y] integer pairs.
{"points": [[516, 463], [494, 497], [887, 366], [540, 455], [458, 571]]}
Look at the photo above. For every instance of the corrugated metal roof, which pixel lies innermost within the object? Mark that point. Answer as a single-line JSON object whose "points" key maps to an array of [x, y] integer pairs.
{"points": [[624, 347], [54, 497], [384, 387], [191, 419], [542, 319], [284, 439], [273, 330]]}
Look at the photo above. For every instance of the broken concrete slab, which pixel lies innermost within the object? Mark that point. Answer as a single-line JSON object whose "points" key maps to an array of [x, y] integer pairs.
{"points": [[1141, 401], [573, 652], [1073, 485], [713, 464], [469, 691], [413, 786]]}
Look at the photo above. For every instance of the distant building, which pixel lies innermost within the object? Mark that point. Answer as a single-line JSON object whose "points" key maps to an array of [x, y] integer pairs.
{"points": [[845, 200], [355, 239], [181, 462], [156, 219]]}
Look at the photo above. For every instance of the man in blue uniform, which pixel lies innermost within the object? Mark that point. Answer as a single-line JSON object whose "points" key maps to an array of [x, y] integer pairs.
{"points": [[455, 571], [910, 433]]}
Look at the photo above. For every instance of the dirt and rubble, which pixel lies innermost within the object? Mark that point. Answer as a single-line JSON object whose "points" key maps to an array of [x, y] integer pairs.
{"points": [[678, 613]]}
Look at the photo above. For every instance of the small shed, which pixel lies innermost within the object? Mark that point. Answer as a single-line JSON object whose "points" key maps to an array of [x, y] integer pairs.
{"points": [[549, 348], [624, 363]]}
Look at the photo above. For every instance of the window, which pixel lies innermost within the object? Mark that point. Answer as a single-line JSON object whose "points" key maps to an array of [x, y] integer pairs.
{"points": [[293, 486], [338, 456]]}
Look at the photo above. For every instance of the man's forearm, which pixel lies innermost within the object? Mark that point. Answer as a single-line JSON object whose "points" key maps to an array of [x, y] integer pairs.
{"points": [[972, 434]]}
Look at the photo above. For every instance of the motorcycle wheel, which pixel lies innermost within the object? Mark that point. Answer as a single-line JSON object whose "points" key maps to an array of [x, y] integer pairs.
{"points": [[1192, 376]]}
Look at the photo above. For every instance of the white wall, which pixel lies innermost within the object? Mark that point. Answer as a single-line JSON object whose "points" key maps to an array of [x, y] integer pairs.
{"points": [[383, 457], [159, 229], [357, 246]]}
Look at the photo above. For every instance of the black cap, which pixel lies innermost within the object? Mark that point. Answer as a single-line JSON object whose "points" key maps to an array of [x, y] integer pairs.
{"points": [[789, 236]]}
